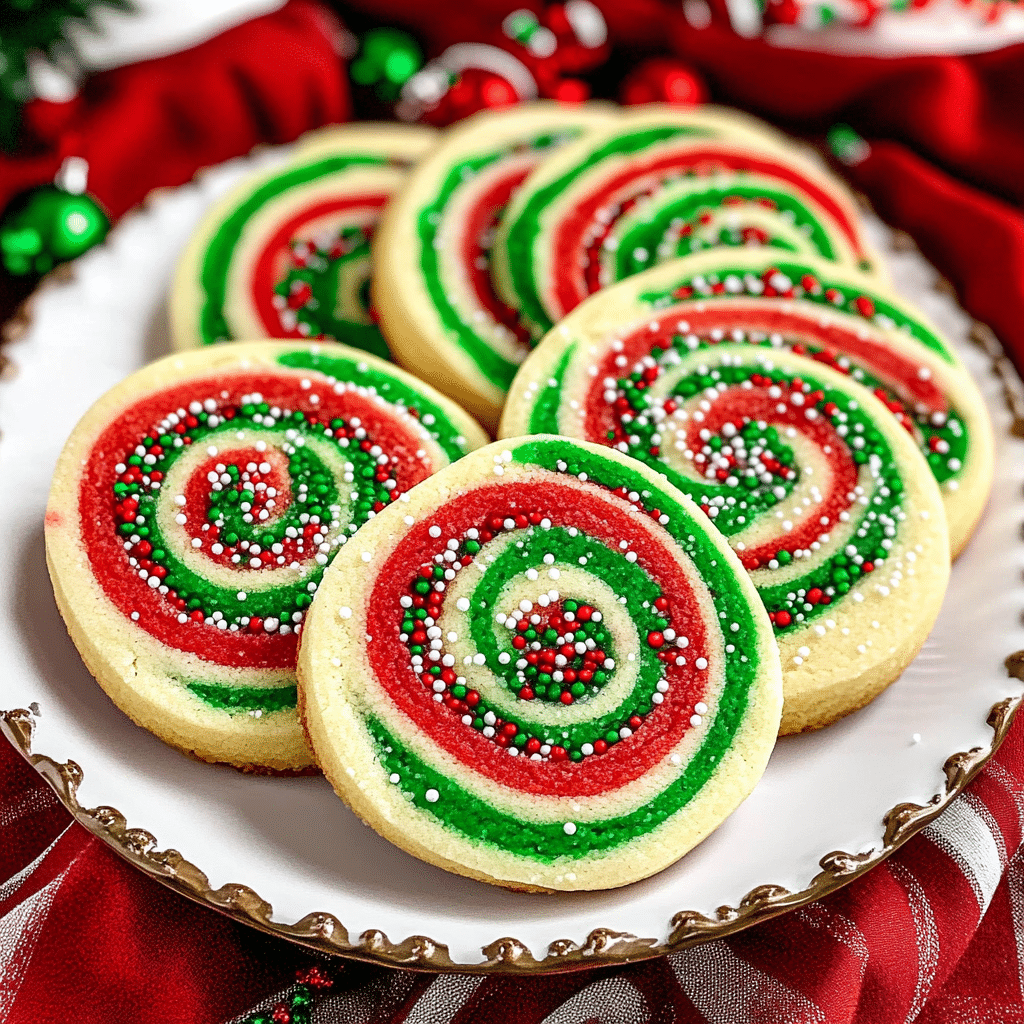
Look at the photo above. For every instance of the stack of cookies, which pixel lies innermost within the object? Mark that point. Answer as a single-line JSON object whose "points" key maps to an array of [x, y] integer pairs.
{"points": [[733, 468]]}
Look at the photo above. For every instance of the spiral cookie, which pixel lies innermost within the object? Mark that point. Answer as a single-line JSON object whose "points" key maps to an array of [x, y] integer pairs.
{"points": [[839, 319], [286, 254], [193, 511], [431, 280], [819, 490], [654, 187], [541, 669]]}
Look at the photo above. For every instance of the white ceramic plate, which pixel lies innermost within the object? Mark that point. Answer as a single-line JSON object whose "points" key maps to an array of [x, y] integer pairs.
{"points": [[296, 845]]}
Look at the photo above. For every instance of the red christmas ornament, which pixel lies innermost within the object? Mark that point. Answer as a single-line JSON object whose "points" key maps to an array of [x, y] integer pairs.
{"points": [[663, 80], [782, 12], [525, 57], [472, 90], [581, 34], [561, 42]]}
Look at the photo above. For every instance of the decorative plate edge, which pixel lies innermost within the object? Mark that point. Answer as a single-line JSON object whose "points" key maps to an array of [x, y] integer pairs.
{"points": [[324, 933]]}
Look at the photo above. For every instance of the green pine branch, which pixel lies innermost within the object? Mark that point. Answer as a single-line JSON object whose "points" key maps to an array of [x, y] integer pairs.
{"points": [[43, 25]]}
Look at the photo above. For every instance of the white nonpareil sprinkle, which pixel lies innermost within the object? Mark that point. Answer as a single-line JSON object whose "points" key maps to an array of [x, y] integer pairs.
{"points": [[701, 663], [395, 778], [345, 612], [432, 796], [462, 604], [569, 828]]}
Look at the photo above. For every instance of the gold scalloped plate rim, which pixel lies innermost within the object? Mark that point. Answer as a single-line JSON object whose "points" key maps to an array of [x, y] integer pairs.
{"points": [[603, 947]]}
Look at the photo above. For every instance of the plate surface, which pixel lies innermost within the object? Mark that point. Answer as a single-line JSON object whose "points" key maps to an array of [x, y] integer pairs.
{"points": [[304, 853]]}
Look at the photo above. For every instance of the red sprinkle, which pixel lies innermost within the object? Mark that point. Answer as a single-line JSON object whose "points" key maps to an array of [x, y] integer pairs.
{"points": [[865, 306]]}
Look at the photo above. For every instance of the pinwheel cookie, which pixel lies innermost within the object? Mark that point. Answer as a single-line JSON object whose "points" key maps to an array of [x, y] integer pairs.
{"points": [[431, 280], [838, 318], [193, 511], [655, 186], [542, 668], [286, 254], [821, 492]]}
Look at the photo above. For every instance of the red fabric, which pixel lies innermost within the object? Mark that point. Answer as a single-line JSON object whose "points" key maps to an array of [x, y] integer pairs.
{"points": [[157, 122], [80, 928], [922, 937], [955, 178], [965, 113], [975, 240]]}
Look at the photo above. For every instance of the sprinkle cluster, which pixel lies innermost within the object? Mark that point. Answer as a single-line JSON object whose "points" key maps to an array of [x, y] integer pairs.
{"points": [[750, 456], [259, 508], [702, 218], [940, 433], [554, 649], [304, 297], [745, 468]]}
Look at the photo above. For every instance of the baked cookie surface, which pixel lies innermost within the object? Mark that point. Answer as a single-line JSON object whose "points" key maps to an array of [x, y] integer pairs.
{"points": [[541, 669], [840, 319], [192, 513], [432, 286], [286, 254], [656, 185], [821, 492]]}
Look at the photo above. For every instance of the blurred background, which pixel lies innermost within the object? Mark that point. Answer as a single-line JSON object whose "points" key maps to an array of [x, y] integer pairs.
{"points": [[102, 101]]}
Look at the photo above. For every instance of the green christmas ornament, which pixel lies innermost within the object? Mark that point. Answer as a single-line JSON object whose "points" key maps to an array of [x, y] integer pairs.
{"points": [[387, 59], [50, 227], [847, 145]]}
